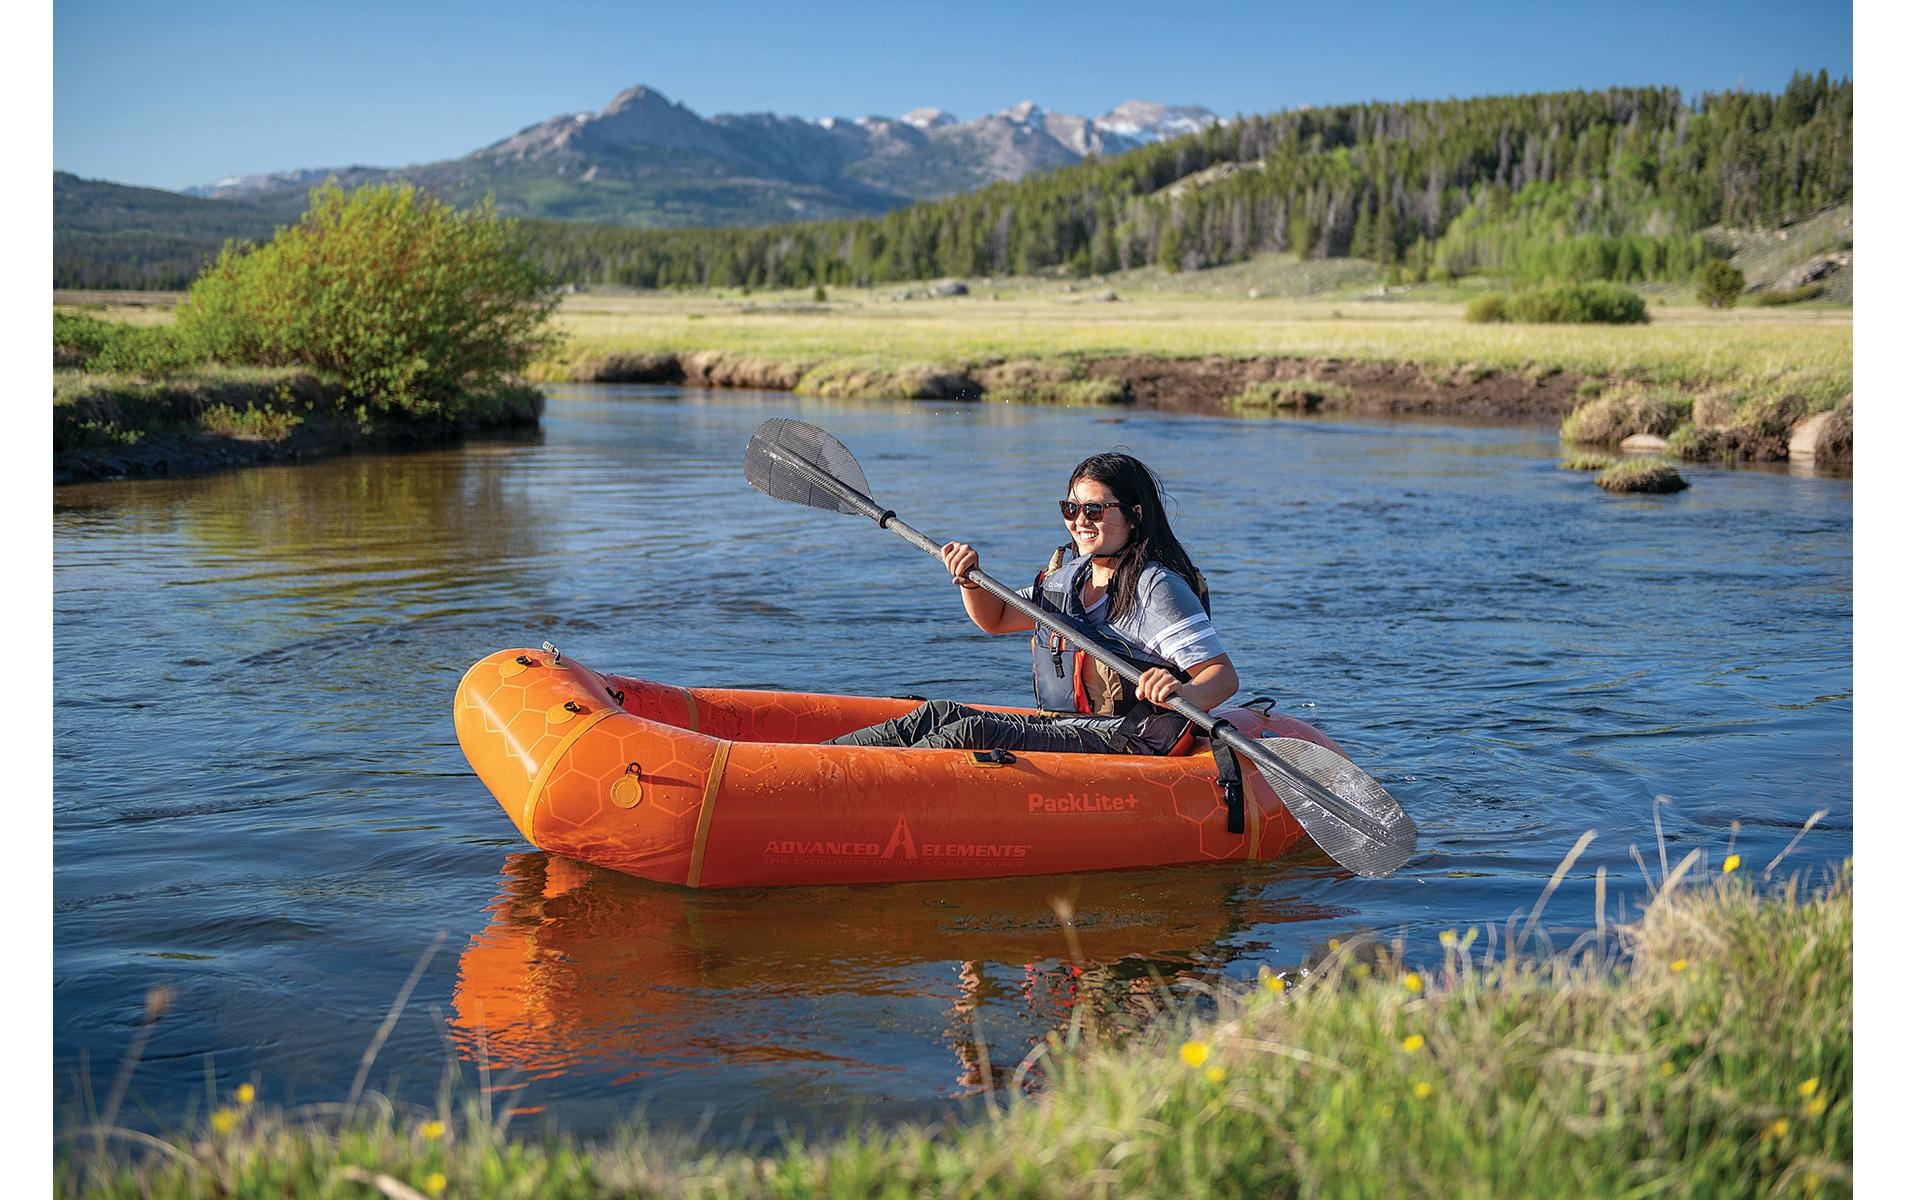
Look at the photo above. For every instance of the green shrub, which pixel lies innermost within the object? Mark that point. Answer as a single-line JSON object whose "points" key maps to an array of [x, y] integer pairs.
{"points": [[116, 348], [406, 302], [146, 350], [1076, 392], [1578, 304], [1648, 476], [1721, 283], [78, 338], [1771, 413], [1486, 308], [1307, 395], [249, 424], [1587, 462], [1623, 410], [1809, 291]]}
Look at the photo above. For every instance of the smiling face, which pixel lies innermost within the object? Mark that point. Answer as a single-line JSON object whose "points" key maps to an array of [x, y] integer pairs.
{"points": [[1110, 532]]}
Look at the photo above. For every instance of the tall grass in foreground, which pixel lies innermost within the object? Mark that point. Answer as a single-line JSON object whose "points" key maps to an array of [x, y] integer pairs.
{"points": [[1705, 1049]]}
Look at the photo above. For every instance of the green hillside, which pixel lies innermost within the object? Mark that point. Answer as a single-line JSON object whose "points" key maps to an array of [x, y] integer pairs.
{"points": [[1627, 184], [1617, 184]]}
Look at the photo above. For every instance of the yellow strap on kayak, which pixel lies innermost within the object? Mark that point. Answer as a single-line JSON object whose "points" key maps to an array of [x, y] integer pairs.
{"points": [[1253, 823], [709, 791], [548, 768]]}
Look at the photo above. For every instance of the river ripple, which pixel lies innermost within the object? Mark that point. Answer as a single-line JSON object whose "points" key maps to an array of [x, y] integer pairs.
{"points": [[259, 800]]}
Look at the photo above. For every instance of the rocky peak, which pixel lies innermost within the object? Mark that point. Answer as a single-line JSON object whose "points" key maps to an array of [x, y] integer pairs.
{"points": [[1150, 121], [639, 96], [637, 116], [929, 118]]}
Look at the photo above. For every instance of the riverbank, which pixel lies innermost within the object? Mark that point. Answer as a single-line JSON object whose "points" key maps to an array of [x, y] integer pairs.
{"points": [[1704, 1049], [1269, 337], [127, 427], [1741, 381]]}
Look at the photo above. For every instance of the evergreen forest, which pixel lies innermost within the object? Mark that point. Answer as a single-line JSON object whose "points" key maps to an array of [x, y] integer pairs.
{"points": [[1616, 184]]}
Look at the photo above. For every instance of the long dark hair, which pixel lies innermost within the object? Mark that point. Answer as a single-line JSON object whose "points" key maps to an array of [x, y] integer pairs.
{"points": [[1151, 540]]}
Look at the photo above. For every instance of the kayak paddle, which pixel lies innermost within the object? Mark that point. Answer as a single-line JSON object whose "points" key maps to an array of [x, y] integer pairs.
{"points": [[1345, 810]]}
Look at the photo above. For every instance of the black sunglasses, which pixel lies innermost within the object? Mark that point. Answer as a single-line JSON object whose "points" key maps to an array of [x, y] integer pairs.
{"points": [[1093, 510]]}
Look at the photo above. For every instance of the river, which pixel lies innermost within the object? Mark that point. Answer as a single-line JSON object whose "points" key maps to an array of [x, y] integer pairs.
{"points": [[260, 806]]}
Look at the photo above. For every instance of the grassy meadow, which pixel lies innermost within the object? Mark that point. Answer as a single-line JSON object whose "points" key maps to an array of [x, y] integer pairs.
{"points": [[1704, 1048], [1809, 344]]}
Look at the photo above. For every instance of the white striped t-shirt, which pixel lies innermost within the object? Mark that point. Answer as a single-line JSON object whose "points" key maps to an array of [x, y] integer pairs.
{"points": [[1167, 623]]}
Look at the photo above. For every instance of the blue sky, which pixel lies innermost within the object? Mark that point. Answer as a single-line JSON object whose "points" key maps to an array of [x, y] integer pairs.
{"points": [[170, 95]]}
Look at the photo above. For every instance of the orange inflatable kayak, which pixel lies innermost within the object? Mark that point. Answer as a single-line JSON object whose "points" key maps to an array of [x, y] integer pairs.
{"points": [[716, 788]]}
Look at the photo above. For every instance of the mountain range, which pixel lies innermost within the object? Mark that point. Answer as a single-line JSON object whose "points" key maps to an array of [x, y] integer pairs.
{"points": [[648, 161]]}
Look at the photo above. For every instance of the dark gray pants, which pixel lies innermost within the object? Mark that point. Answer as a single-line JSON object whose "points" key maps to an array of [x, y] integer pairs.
{"points": [[945, 725]]}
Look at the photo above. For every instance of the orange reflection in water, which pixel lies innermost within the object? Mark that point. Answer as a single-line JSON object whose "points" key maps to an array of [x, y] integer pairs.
{"points": [[582, 967]]}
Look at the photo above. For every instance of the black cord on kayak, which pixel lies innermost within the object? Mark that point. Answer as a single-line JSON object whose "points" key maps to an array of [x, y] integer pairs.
{"points": [[1230, 778]]}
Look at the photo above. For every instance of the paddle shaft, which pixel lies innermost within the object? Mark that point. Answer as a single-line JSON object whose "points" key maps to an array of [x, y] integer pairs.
{"points": [[1217, 729]]}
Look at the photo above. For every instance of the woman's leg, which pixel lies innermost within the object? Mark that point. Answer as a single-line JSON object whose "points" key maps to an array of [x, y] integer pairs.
{"points": [[946, 725], [906, 729], [1010, 731]]}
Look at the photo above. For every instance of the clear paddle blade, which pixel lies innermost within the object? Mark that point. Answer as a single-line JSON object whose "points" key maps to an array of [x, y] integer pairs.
{"points": [[1389, 839], [773, 465]]}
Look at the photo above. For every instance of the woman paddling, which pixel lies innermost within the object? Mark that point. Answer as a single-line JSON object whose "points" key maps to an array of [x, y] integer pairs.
{"points": [[1132, 585]]}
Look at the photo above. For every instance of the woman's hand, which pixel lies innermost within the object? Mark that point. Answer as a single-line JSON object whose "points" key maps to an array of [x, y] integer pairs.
{"points": [[1212, 682], [987, 611], [1157, 685], [959, 559]]}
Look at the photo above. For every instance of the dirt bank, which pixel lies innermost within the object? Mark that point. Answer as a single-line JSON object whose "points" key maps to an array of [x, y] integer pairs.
{"points": [[1214, 384], [1211, 384], [113, 429]]}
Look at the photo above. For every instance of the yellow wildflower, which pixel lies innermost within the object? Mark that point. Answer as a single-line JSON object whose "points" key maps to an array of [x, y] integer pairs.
{"points": [[1214, 1074], [434, 1183], [1422, 1090], [1809, 1086], [1412, 1043], [224, 1120], [1778, 1129], [1194, 1054], [1447, 937], [1731, 864], [1334, 943], [1679, 964], [1272, 982], [1413, 982], [247, 1093], [1816, 1106], [430, 1131], [1667, 1070]]}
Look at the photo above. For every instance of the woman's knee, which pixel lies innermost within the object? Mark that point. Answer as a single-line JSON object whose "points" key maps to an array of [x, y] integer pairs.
{"points": [[967, 733]]}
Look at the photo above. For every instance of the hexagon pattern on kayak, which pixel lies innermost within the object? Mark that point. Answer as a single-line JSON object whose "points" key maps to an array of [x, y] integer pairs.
{"points": [[787, 810]]}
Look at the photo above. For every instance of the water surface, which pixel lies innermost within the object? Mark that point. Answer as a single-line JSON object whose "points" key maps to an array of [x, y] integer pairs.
{"points": [[260, 804]]}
